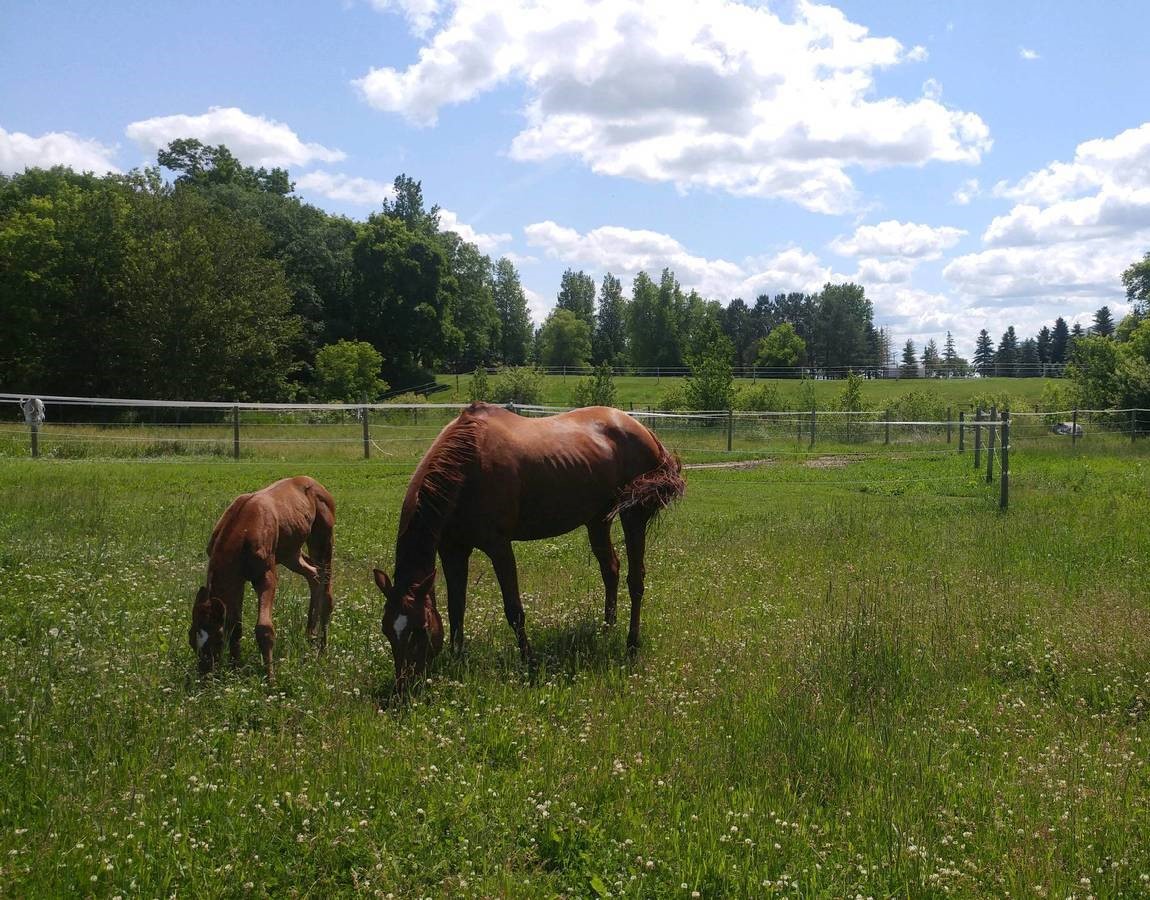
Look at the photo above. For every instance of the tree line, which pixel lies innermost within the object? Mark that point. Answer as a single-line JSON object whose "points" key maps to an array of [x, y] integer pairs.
{"points": [[220, 284]]}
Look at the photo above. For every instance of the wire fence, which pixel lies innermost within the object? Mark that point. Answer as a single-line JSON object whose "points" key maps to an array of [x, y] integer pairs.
{"points": [[79, 427], [868, 371]]}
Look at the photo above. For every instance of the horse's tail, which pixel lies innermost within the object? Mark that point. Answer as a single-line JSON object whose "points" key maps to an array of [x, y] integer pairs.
{"points": [[655, 489]]}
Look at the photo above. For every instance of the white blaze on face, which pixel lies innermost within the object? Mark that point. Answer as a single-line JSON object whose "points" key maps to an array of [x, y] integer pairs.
{"points": [[400, 625], [201, 639]]}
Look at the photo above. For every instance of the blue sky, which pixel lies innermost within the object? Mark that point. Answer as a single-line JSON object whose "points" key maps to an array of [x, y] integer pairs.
{"points": [[973, 164]]}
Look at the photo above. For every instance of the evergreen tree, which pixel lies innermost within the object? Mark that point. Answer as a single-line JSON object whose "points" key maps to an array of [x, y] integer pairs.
{"points": [[1103, 322], [514, 319], [1077, 333], [931, 361], [949, 355], [1029, 365], [1006, 358], [984, 354], [609, 341], [1044, 345], [1059, 341], [909, 367]]}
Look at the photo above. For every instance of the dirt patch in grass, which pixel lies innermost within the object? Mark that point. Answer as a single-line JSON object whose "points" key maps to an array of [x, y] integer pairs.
{"points": [[739, 464], [828, 462]]}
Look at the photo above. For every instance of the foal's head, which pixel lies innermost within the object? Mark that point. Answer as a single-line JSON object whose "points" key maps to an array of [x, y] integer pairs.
{"points": [[206, 635], [413, 626]]}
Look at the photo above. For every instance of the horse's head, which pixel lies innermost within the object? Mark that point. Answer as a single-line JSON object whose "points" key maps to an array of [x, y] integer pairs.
{"points": [[413, 626], [206, 635]]}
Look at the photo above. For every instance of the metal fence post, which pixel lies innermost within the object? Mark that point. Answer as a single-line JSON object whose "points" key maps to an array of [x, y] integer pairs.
{"points": [[961, 430], [730, 429], [948, 412], [1004, 462], [887, 441], [366, 434], [1133, 425], [977, 438], [236, 432], [990, 445], [812, 428], [1074, 428]]}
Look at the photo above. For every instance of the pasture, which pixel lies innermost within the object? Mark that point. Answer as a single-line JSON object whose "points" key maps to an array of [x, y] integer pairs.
{"points": [[647, 392], [857, 677]]}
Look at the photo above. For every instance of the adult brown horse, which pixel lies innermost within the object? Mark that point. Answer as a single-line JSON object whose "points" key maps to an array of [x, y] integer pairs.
{"points": [[255, 533], [493, 477]]}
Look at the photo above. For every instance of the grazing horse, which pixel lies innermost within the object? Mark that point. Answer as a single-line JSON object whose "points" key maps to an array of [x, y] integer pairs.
{"points": [[257, 532], [493, 477]]}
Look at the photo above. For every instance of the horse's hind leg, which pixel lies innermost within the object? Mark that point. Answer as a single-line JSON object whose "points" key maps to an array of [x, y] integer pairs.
{"points": [[503, 561], [599, 534], [635, 533]]}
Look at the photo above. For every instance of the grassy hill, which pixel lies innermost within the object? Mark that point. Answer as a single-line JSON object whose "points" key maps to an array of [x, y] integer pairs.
{"points": [[648, 392]]}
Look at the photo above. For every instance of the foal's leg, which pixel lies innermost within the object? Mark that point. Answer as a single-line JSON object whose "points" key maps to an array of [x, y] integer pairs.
{"points": [[503, 560], [265, 586], [317, 571], [305, 566], [454, 560], [635, 533], [233, 619], [599, 533]]}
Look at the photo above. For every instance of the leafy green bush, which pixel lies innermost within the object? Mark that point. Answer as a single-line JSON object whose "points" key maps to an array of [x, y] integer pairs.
{"points": [[598, 390], [759, 398], [478, 389], [518, 384]]}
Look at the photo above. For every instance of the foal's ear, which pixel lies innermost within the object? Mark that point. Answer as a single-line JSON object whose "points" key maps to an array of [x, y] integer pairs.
{"points": [[201, 597], [382, 581]]}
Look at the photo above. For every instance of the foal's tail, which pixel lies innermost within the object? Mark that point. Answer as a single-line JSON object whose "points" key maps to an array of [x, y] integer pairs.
{"points": [[655, 489]]}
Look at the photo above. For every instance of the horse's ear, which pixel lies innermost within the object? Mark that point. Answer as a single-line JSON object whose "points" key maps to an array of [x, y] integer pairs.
{"points": [[201, 597], [382, 581], [424, 588], [217, 606]]}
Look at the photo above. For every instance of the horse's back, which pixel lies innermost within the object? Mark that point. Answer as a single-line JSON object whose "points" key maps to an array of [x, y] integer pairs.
{"points": [[539, 478]]}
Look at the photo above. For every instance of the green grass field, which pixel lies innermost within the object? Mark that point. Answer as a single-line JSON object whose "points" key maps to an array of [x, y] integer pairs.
{"points": [[857, 677], [646, 392]]}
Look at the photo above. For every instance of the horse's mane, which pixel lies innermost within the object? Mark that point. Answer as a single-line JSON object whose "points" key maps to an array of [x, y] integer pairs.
{"points": [[435, 487]]}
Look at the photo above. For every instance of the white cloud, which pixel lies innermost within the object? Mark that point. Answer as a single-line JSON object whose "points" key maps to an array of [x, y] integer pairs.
{"points": [[932, 89], [917, 53], [884, 271], [19, 151], [900, 239], [1028, 54], [255, 140], [966, 192], [421, 14], [626, 251], [538, 306], [346, 188], [487, 243], [720, 95]]}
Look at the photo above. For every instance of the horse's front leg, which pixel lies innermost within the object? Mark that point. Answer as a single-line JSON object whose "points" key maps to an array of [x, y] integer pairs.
{"points": [[635, 533], [503, 561], [454, 559], [265, 587]]}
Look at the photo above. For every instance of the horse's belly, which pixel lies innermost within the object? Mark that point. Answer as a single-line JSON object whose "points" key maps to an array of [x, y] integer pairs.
{"points": [[552, 516]]}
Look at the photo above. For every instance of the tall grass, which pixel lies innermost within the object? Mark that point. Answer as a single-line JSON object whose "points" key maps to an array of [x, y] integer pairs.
{"points": [[856, 678]]}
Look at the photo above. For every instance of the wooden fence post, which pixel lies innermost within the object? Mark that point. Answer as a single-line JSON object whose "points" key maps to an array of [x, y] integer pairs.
{"points": [[366, 434], [812, 428], [1074, 428], [990, 445], [236, 432], [1004, 462], [34, 432], [961, 430], [1133, 425], [977, 438], [730, 429], [887, 441]]}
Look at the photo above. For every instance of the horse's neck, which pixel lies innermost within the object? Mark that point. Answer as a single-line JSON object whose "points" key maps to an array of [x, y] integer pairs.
{"points": [[415, 553]]}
